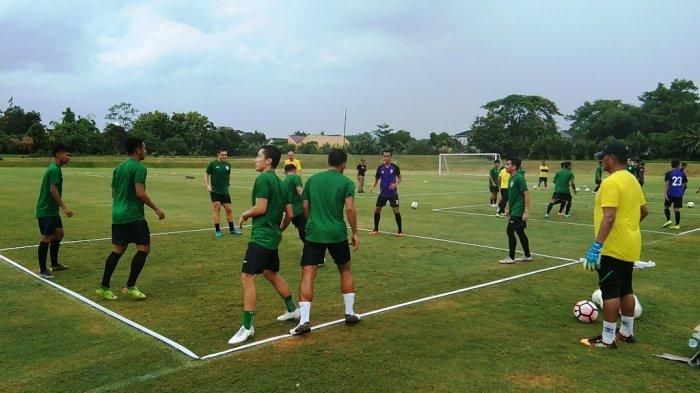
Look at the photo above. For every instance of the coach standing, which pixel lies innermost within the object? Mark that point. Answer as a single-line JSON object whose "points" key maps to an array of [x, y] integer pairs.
{"points": [[619, 208]]}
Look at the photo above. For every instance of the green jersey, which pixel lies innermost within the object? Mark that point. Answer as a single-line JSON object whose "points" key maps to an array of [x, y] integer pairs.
{"points": [[493, 177], [291, 182], [631, 169], [220, 173], [562, 180], [326, 193], [266, 230], [126, 206], [46, 205], [599, 174], [517, 187]]}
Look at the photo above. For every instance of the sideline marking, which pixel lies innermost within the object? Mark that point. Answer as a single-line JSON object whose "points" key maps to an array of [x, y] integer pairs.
{"points": [[105, 310]]}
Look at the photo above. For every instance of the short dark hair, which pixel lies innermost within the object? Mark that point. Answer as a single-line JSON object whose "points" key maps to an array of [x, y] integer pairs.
{"points": [[516, 162], [272, 152], [391, 153], [220, 149], [496, 161], [337, 157], [132, 143], [567, 164], [59, 148], [684, 164], [289, 168], [675, 163]]}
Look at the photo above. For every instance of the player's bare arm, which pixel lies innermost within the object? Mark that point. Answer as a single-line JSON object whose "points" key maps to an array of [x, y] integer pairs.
{"points": [[57, 197], [288, 214], [609, 214], [352, 220], [143, 197], [258, 209]]}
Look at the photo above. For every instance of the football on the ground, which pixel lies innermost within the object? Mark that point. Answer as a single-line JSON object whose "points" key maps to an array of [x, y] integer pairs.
{"points": [[414, 205], [578, 189], [535, 187], [587, 189], [585, 311], [691, 204]]}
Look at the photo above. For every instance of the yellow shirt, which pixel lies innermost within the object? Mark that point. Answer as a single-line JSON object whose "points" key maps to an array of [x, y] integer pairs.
{"points": [[622, 191], [296, 163], [505, 176], [544, 170]]}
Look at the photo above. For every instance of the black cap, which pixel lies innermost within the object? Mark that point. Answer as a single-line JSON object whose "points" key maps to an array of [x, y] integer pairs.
{"points": [[618, 149]]}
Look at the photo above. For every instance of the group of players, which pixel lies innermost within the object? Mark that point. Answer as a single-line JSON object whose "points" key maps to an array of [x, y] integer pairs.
{"points": [[316, 209]]}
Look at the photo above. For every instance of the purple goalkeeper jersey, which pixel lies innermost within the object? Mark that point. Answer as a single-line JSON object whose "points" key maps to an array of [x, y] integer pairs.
{"points": [[676, 180], [387, 175]]}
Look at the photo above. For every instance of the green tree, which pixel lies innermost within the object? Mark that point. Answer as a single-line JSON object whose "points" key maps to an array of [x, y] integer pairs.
{"points": [[442, 142], [420, 147], [194, 128], [603, 118], [308, 148], [123, 114], [155, 123], [114, 137], [364, 143], [383, 133], [671, 108], [37, 132], [14, 121]]}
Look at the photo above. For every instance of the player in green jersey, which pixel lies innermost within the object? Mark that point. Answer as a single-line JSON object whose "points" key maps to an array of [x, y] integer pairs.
{"points": [[271, 211], [518, 210], [128, 219], [325, 197], [47, 205], [493, 183], [562, 180], [218, 176]]}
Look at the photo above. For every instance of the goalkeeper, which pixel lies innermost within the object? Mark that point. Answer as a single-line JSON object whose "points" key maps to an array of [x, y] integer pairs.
{"points": [[619, 208]]}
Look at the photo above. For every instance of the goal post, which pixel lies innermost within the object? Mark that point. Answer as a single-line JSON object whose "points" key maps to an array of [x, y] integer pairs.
{"points": [[466, 163]]}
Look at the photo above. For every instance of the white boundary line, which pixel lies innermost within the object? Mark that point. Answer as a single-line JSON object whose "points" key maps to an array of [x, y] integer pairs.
{"points": [[105, 310], [535, 219]]}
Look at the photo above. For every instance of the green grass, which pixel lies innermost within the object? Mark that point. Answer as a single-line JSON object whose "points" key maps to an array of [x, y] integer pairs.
{"points": [[515, 336]]}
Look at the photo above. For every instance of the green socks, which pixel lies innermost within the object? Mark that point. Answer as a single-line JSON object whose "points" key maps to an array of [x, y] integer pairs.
{"points": [[248, 319], [289, 303]]}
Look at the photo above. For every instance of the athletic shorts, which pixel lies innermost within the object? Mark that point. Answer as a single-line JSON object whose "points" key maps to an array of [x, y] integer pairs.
{"points": [[49, 224], [223, 198], [258, 258], [676, 201], [299, 221], [393, 201], [314, 252], [136, 232], [493, 189], [562, 196], [543, 179], [615, 277], [514, 223]]}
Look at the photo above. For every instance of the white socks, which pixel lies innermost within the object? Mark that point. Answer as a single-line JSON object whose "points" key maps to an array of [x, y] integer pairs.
{"points": [[609, 332], [627, 326], [349, 300], [305, 309]]}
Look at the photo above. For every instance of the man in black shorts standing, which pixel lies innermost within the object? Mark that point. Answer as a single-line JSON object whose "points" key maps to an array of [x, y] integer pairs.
{"points": [[361, 169], [325, 197], [128, 219], [493, 183], [390, 176], [50, 225], [217, 180], [562, 180]]}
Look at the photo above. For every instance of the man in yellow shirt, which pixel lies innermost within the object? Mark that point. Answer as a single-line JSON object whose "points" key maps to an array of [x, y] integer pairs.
{"points": [[619, 208], [503, 178], [544, 173], [291, 160]]}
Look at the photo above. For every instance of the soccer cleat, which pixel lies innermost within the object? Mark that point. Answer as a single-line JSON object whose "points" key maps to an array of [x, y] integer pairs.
{"points": [[523, 259], [507, 261], [628, 339], [560, 214], [242, 335], [134, 293], [304, 328], [351, 319], [674, 227], [373, 232], [546, 215], [399, 234], [667, 224], [289, 315], [567, 215], [218, 234], [58, 267], [234, 231], [105, 293], [597, 342], [46, 274]]}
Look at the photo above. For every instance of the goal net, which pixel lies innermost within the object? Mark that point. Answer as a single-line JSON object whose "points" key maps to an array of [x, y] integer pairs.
{"points": [[466, 163]]}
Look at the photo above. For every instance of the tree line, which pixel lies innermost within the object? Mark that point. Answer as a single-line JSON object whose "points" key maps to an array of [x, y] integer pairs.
{"points": [[666, 124]]}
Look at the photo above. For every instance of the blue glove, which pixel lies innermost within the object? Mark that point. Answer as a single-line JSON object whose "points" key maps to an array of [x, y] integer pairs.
{"points": [[592, 261]]}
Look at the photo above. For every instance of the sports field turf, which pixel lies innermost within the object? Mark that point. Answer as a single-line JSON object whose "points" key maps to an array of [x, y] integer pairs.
{"points": [[515, 335]]}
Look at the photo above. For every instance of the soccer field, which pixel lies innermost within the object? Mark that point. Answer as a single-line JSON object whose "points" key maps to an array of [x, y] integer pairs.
{"points": [[439, 312]]}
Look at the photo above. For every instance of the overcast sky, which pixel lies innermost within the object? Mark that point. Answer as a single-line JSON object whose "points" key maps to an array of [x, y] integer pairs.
{"points": [[280, 66]]}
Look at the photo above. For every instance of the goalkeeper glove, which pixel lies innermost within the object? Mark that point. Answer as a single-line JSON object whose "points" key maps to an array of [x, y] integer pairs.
{"points": [[592, 261]]}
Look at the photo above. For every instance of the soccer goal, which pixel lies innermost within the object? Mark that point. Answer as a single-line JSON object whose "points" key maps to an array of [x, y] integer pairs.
{"points": [[466, 163]]}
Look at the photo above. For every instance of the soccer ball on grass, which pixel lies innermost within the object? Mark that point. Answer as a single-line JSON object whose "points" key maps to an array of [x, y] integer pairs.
{"points": [[691, 204], [414, 205], [585, 311]]}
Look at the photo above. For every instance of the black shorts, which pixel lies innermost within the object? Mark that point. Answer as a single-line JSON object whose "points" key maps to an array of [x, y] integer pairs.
{"points": [[676, 201], [615, 277], [136, 232], [49, 224], [299, 221], [382, 200], [258, 258], [562, 196], [223, 198], [493, 189], [314, 253], [515, 223], [543, 179]]}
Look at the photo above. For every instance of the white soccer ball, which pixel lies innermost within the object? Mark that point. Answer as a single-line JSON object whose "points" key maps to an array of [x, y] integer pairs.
{"points": [[535, 187], [585, 311], [414, 205], [587, 189], [597, 297], [578, 189], [691, 204]]}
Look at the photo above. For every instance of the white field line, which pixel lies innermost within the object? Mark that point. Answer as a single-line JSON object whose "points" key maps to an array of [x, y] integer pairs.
{"points": [[103, 309], [552, 221], [374, 195]]}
